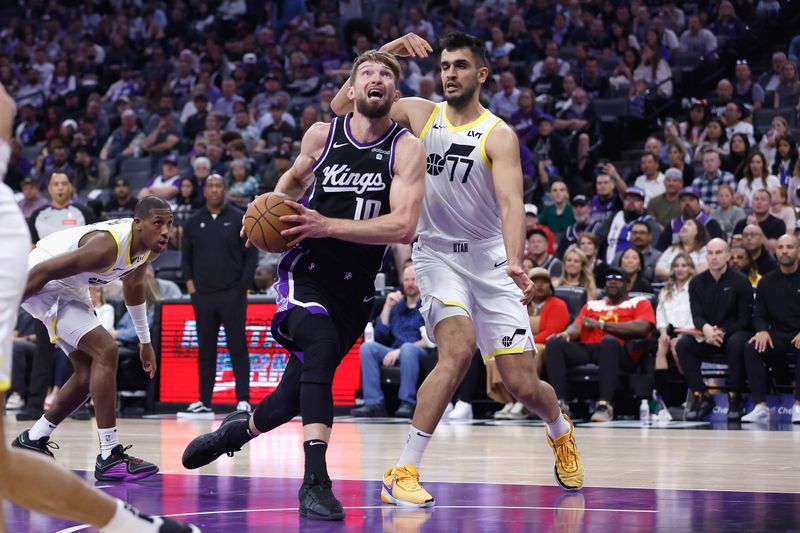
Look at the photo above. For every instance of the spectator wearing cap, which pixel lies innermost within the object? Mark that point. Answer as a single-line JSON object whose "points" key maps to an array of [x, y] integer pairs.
{"points": [[165, 185], [712, 177], [558, 216], [125, 141], [727, 214], [690, 208], [163, 139], [597, 336], [32, 198], [641, 239], [772, 226], [505, 101], [652, 180], [617, 228], [581, 210], [537, 252], [276, 132], [196, 123], [90, 174], [121, 200], [666, 206], [548, 315], [532, 221]]}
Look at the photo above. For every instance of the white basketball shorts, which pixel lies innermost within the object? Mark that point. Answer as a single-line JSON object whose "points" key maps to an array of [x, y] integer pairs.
{"points": [[471, 276], [15, 243]]}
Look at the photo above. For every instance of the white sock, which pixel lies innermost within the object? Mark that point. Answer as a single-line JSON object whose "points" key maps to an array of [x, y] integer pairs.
{"points": [[109, 439], [42, 428], [558, 427], [126, 519], [415, 447]]}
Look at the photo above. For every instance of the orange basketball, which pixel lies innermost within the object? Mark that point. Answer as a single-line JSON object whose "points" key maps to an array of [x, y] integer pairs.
{"points": [[262, 223]]}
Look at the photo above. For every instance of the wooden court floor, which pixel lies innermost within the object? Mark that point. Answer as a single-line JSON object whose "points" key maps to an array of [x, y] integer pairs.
{"points": [[752, 460]]}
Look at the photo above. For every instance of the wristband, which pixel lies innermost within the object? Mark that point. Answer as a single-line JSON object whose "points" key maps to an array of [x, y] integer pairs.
{"points": [[5, 157], [139, 318]]}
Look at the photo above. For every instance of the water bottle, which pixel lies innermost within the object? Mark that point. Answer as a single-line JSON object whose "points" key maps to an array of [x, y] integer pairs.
{"points": [[644, 411], [369, 333], [380, 282]]}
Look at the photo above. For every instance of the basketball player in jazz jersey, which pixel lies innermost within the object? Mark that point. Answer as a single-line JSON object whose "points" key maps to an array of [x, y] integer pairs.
{"points": [[27, 479], [468, 259], [361, 179]]}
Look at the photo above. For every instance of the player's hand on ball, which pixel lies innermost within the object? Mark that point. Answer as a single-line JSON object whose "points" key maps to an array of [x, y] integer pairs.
{"points": [[409, 44], [522, 280], [310, 224], [148, 357], [243, 233]]}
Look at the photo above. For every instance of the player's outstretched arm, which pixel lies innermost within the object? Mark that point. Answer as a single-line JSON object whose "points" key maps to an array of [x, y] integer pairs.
{"points": [[502, 148], [405, 200], [97, 254]]}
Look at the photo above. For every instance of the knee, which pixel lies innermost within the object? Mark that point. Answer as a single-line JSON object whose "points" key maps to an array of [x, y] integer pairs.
{"points": [[409, 352], [455, 361], [552, 345], [366, 348], [684, 345], [610, 344]]}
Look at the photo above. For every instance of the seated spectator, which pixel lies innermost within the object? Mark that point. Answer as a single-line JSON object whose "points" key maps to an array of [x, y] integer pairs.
{"points": [[18, 166], [29, 132], [281, 162], [692, 129], [713, 138], [786, 159], [711, 178], [692, 239], [32, 198], [163, 139], [504, 102], [673, 316], [548, 314], [538, 252], [727, 214], [738, 150], [577, 273], [23, 351], [721, 303], [165, 185], [276, 132], [690, 209], [125, 141], [103, 310], [780, 208], [741, 261], [609, 188], [398, 341], [755, 178], [651, 181], [771, 226], [655, 72], [632, 262], [667, 206], [549, 81], [195, 123], [54, 158], [90, 174], [745, 90], [728, 25], [558, 215], [581, 210], [549, 152], [167, 289], [754, 242], [776, 321], [641, 237], [264, 279], [589, 244], [121, 200], [769, 141], [592, 80], [241, 185], [597, 336], [678, 158], [126, 333], [734, 116], [616, 230], [788, 89], [531, 222]]}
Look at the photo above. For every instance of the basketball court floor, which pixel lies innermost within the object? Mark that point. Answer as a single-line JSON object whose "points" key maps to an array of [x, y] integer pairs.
{"points": [[487, 477]]}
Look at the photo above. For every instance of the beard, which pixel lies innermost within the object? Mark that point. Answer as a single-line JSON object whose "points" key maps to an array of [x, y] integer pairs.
{"points": [[371, 109], [462, 98]]}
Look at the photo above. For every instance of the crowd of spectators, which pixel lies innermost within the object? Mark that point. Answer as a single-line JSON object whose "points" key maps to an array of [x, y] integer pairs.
{"points": [[119, 99]]}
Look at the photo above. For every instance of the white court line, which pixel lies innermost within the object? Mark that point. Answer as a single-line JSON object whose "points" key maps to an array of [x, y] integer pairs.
{"points": [[484, 507]]}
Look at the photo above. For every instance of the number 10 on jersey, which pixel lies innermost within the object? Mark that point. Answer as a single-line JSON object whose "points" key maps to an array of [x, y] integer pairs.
{"points": [[366, 209]]}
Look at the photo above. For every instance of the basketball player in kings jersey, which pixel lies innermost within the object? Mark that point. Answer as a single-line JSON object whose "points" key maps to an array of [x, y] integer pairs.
{"points": [[359, 184], [30, 480], [469, 259]]}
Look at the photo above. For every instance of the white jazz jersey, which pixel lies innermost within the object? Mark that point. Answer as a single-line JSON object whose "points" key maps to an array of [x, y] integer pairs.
{"points": [[460, 203], [67, 240]]}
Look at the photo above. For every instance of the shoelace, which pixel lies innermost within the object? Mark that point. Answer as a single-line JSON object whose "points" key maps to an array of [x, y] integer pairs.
{"points": [[565, 453], [125, 457], [48, 444], [406, 479]]}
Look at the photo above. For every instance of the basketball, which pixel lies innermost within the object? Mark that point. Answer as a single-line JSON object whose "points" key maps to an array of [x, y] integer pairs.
{"points": [[262, 223]]}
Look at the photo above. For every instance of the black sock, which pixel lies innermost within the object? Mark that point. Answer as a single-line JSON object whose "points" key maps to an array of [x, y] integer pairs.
{"points": [[315, 459], [661, 381]]}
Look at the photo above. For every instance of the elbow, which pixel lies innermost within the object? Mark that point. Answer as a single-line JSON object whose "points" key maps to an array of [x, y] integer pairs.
{"points": [[407, 235]]}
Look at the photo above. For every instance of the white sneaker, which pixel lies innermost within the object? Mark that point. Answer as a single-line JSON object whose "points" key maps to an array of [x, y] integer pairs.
{"points": [[796, 414], [447, 411], [517, 412], [461, 411], [244, 406], [197, 410], [14, 402], [501, 414], [759, 414]]}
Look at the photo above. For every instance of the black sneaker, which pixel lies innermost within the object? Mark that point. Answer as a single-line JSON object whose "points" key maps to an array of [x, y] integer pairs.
{"points": [[119, 466], [317, 501], [207, 448], [29, 413], [43, 445], [406, 410], [370, 410], [734, 407], [698, 407]]}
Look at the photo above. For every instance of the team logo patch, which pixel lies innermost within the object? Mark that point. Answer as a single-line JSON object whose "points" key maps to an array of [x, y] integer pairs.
{"points": [[507, 341]]}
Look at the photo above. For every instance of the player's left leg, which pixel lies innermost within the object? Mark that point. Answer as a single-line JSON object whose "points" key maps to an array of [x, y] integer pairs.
{"points": [[519, 375]]}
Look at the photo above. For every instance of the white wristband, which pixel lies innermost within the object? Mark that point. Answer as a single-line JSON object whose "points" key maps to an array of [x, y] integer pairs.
{"points": [[5, 157], [139, 318]]}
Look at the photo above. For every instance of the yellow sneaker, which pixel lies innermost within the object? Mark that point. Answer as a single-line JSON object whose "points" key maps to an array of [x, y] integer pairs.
{"points": [[569, 465], [401, 487]]}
